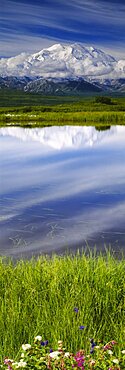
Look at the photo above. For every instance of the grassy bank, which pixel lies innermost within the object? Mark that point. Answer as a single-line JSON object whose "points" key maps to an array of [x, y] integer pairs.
{"points": [[59, 111], [39, 297], [60, 118]]}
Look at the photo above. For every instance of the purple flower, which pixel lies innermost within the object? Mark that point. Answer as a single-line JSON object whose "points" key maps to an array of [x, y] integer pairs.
{"points": [[51, 350], [8, 362], [44, 343], [81, 327], [107, 346], [93, 344], [76, 309]]}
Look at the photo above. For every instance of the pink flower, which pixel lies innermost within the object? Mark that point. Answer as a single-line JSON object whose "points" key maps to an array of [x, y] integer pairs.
{"points": [[80, 358]]}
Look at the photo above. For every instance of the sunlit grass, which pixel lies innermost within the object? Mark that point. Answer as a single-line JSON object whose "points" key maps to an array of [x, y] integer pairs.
{"points": [[62, 118], [54, 110], [39, 296]]}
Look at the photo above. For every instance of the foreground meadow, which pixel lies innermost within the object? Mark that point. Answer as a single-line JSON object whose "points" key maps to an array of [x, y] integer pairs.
{"points": [[69, 298]]}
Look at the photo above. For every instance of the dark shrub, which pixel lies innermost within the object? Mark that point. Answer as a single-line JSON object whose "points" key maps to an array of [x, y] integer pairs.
{"points": [[103, 100]]}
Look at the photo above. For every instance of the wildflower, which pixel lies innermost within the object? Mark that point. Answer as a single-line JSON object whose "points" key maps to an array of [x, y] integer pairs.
{"points": [[81, 327], [51, 350], [76, 309], [116, 361], [123, 351], [54, 354], [38, 337], [21, 364], [7, 361], [44, 343], [22, 354], [110, 352], [93, 344], [26, 346], [107, 346], [67, 354], [79, 357]]}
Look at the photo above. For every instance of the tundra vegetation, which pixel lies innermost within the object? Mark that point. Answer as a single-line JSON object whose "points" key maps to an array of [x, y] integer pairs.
{"points": [[29, 110], [73, 298]]}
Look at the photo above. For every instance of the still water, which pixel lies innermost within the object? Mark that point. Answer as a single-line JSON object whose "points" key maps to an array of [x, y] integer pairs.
{"points": [[61, 188]]}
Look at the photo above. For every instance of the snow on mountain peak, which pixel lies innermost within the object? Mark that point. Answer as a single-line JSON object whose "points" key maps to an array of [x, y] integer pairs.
{"points": [[63, 61]]}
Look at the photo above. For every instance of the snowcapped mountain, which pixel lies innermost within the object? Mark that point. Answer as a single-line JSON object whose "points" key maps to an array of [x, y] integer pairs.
{"points": [[109, 84], [62, 62]]}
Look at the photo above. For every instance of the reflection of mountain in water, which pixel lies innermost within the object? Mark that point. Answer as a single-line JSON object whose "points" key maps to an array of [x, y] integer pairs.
{"points": [[65, 136]]}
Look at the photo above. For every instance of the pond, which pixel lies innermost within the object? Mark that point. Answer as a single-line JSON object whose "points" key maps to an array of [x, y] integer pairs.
{"points": [[61, 188]]}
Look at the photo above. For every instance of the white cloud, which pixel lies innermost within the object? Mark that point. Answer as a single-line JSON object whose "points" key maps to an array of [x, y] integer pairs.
{"points": [[16, 44]]}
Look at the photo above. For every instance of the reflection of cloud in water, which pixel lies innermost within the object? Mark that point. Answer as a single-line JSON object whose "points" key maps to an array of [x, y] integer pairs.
{"points": [[49, 199], [70, 232], [7, 217], [64, 137]]}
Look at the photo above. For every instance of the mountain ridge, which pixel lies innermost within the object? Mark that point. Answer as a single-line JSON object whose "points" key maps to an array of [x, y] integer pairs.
{"points": [[63, 69]]}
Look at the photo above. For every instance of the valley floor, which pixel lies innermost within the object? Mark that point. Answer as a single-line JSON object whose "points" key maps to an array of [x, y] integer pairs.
{"points": [[29, 110]]}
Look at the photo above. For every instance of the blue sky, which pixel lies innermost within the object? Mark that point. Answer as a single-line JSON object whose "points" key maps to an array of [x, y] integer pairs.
{"points": [[31, 25]]}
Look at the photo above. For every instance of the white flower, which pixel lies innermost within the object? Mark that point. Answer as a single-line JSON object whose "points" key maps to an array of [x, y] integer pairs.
{"points": [[26, 346], [22, 354], [67, 354], [123, 351], [110, 352], [38, 338], [116, 361], [54, 354], [21, 364]]}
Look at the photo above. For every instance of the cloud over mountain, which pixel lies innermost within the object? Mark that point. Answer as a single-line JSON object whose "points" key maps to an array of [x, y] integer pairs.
{"points": [[64, 61]]}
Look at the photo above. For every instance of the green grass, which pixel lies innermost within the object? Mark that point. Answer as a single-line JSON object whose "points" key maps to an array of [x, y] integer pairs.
{"points": [[39, 296], [13, 98], [61, 118], [59, 111]]}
